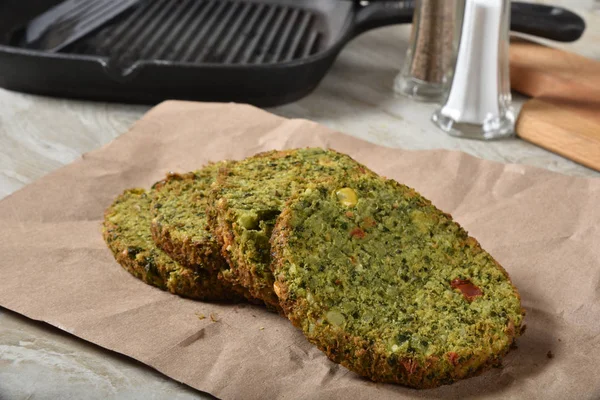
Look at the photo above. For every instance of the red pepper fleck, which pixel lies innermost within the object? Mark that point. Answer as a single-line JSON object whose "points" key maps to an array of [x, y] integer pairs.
{"points": [[468, 290], [453, 358], [357, 233], [349, 214], [369, 222]]}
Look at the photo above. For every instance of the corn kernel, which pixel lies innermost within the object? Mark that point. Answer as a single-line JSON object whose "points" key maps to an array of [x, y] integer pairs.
{"points": [[347, 197]]}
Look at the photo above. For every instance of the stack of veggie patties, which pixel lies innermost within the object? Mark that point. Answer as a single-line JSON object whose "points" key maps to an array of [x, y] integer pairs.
{"points": [[371, 272]]}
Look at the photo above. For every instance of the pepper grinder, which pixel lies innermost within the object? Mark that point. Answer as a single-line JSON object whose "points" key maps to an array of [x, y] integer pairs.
{"points": [[478, 105], [430, 57]]}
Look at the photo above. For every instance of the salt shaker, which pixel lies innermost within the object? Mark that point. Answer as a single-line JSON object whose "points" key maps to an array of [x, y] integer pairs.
{"points": [[430, 57], [478, 105]]}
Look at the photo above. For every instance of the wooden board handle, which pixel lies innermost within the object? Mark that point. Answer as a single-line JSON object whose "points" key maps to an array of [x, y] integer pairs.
{"points": [[564, 115]]}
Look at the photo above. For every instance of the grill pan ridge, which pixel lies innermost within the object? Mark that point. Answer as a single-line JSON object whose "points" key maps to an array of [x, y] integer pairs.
{"points": [[263, 52]]}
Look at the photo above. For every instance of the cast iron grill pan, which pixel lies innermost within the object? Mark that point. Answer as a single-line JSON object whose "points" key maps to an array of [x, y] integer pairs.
{"points": [[207, 32], [265, 52]]}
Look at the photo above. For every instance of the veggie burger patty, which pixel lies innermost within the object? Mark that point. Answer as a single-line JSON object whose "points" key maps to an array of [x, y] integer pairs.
{"points": [[127, 234], [389, 286], [247, 199]]}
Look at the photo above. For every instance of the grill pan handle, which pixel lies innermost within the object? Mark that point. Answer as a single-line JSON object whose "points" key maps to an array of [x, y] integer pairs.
{"points": [[549, 22], [555, 23]]}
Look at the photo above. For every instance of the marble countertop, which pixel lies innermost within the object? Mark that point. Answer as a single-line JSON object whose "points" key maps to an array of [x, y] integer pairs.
{"points": [[39, 135]]}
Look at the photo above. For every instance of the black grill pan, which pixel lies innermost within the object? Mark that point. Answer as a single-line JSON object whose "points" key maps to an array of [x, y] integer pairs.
{"points": [[265, 52]]}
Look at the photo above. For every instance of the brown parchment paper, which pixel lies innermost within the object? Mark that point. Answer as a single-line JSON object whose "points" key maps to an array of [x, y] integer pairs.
{"points": [[543, 227]]}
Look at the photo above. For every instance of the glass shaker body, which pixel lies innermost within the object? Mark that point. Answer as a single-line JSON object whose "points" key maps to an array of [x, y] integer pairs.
{"points": [[478, 105], [430, 57]]}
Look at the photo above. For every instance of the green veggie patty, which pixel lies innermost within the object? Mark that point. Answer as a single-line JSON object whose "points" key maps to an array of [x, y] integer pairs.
{"points": [[247, 199], [389, 286], [179, 225], [127, 233]]}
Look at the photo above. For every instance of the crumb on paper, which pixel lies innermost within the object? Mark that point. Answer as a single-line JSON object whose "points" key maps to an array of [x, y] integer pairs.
{"points": [[214, 317], [550, 354], [262, 328], [523, 328], [559, 340], [200, 316]]}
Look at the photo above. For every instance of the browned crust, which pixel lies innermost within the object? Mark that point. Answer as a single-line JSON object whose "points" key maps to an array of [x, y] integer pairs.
{"points": [[203, 254], [239, 273], [365, 358], [190, 254], [119, 251], [188, 283]]}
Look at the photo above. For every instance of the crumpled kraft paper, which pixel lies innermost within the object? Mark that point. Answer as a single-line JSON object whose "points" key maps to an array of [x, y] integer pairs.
{"points": [[544, 228]]}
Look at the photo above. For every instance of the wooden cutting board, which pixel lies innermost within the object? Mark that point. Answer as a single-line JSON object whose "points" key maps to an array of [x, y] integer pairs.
{"points": [[564, 114]]}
